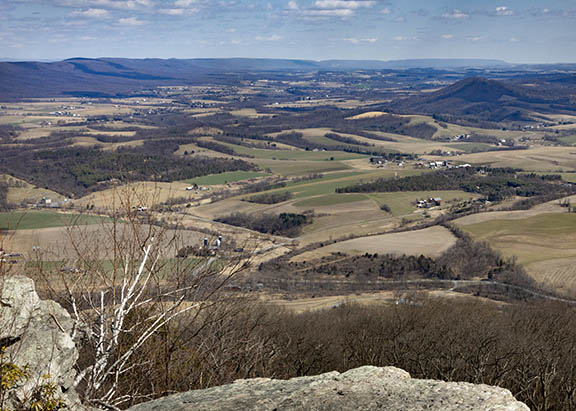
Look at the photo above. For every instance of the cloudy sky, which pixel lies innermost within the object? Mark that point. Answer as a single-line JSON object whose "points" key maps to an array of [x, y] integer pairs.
{"points": [[519, 31]]}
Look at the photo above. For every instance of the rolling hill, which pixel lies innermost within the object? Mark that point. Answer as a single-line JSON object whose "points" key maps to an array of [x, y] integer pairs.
{"points": [[480, 99]]}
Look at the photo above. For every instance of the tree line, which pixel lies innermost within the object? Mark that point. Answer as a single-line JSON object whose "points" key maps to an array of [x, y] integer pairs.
{"points": [[285, 224], [525, 348], [3, 196], [494, 184], [270, 198]]}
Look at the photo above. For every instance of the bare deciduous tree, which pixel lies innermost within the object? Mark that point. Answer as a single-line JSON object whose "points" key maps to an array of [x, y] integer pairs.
{"points": [[122, 284]]}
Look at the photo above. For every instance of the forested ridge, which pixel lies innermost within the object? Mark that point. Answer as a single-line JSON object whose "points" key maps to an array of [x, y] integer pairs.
{"points": [[78, 170]]}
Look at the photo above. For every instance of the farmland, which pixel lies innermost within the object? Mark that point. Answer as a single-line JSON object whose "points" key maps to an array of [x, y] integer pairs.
{"points": [[185, 157], [544, 243], [223, 178], [33, 220]]}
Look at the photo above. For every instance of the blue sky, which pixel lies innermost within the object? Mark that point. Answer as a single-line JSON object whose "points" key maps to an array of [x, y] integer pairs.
{"points": [[519, 31]]}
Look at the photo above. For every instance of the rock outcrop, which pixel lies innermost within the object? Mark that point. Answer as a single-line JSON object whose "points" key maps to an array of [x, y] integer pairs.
{"points": [[364, 388], [37, 335]]}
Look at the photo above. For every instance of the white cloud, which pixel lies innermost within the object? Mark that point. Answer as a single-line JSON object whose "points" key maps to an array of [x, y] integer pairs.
{"points": [[386, 11], [355, 40], [513, 40], [108, 4], [273, 37], [447, 36], [329, 13], [93, 13], [343, 4], [328, 8], [185, 3], [475, 38], [403, 38], [178, 12], [504, 11], [456, 14], [292, 5], [130, 21]]}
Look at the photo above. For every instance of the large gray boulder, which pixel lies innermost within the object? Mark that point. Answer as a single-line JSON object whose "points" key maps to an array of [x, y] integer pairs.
{"points": [[364, 388], [37, 334]]}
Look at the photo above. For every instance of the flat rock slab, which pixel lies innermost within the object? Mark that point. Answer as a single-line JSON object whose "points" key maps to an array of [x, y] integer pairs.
{"points": [[364, 388]]}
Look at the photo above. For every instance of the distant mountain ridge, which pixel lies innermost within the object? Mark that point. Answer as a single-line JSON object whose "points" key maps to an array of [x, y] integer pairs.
{"points": [[119, 76], [241, 63]]}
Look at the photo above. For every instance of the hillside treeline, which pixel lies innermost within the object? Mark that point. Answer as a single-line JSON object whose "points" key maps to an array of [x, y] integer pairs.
{"points": [[270, 198], [286, 224], [494, 184], [78, 170], [528, 349], [3, 196]]}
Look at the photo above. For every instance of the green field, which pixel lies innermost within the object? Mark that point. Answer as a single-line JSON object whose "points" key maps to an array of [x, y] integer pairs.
{"points": [[331, 199], [402, 203], [294, 154], [569, 140], [290, 168], [471, 147], [20, 220], [224, 178], [328, 184], [329, 142], [570, 177]]}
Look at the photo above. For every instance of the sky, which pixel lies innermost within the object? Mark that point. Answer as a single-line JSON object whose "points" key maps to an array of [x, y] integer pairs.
{"points": [[517, 31]]}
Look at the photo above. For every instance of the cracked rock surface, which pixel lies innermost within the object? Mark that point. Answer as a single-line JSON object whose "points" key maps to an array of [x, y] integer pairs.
{"points": [[364, 388], [37, 335]]}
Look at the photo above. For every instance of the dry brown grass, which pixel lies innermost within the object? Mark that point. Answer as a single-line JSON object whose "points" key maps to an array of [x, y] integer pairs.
{"points": [[533, 159], [430, 242], [28, 192], [368, 114], [147, 194]]}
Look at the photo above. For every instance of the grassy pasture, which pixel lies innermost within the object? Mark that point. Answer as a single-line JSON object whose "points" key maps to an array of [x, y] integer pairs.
{"points": [[27, 192], [290, 168], [30, 220], [144, 193], [533, 159], [299, 155], [198, 151], [545, 244], [330, 199], [250, 113], [402, 203], [569, 139], [471, 147], [570, 177], [223, 178], [328, 184], [431, 241]]}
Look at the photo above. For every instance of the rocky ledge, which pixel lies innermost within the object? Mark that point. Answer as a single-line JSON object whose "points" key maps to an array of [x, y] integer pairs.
{"points": [[364, 388], [36, 335]]}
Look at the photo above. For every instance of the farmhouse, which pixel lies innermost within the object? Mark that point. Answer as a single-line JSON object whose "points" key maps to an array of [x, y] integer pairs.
{"points": [[431, 202]]}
